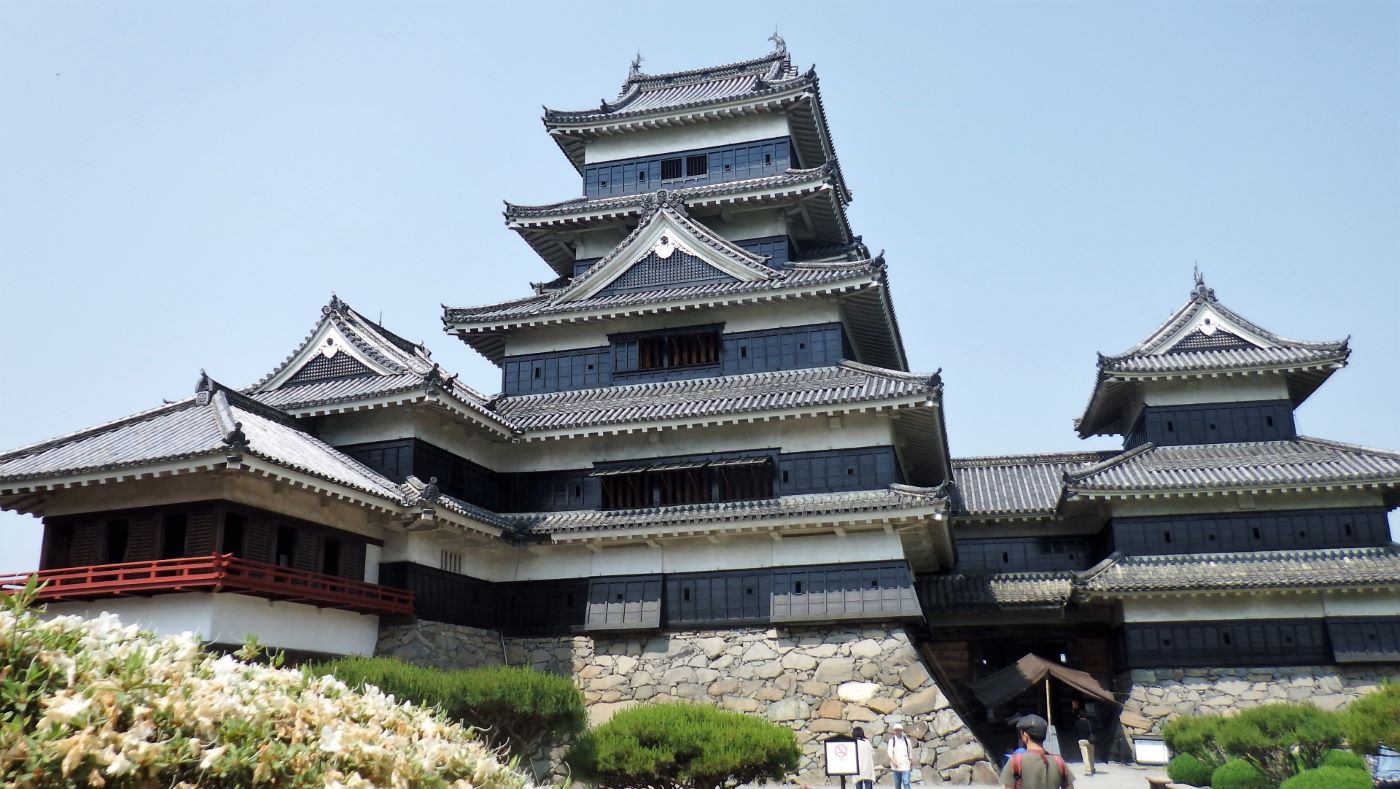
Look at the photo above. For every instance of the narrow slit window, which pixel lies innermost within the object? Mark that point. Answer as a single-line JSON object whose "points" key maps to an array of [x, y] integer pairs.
{"points": [[670, 169], [797, 587]]}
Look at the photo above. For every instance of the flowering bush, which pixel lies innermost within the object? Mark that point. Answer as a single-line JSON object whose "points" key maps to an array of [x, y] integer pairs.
{"points": [[90, 702]]}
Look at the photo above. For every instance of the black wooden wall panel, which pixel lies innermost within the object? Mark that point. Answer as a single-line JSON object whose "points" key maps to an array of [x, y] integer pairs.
{"points": [[86, 543], [778, 249], [1214, 423], [624, 603], [530, 607], [850, 591], [1256, 642], [863, 468], [1252, 531], [1024, 554], [724, 163], [767, 350], [1365, 639], [442, 596], [719, 598], [308, 551], [258, 545]]}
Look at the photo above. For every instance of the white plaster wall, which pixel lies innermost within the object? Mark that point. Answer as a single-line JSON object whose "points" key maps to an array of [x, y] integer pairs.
{"points": [[228, 619], [1246, 503], [373, 556], [1361, 603], [739, 225], [1231, 607], [438, 428], [735, 319], [1235, 389], [595, 243], [680, 138]]}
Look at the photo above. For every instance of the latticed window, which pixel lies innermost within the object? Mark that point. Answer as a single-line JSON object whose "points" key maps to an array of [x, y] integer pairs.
{"points": [[688, 483], [678, 350]]}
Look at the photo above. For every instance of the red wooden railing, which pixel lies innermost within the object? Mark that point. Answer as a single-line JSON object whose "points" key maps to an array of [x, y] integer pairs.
{"points": [[215, 573]]}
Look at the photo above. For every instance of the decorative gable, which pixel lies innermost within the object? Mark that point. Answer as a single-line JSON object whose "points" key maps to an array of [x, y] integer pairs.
{"points": [[667, 248], [1209, 338], [324, 368]]}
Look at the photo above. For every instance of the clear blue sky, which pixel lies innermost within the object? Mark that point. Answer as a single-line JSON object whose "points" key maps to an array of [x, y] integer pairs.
{"points": [[183, 184]]}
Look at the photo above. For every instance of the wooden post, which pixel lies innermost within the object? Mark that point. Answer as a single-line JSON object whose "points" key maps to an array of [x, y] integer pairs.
{"points": [[1049, 721]]}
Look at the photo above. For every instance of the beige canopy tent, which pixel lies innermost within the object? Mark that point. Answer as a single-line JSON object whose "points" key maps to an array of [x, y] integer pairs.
{"points": [[1030, 671]]}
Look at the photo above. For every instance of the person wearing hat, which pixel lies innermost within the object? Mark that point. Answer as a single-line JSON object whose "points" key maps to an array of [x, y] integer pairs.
{"points": [[1035, 769], [901, 754]]}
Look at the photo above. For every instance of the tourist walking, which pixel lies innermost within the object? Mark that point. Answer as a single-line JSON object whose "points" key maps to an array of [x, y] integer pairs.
{"points": [[901, 754], [865, 755], [1034, 768], [1084, 732]]}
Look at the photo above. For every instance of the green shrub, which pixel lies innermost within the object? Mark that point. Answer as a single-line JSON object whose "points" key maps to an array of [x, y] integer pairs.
{"points": [[1329, 778], [1195, 735], [1343, 759], [518, 707], [1374, 719], [691, 746], [1280, 739], [1187, 769], [1239, 774]]}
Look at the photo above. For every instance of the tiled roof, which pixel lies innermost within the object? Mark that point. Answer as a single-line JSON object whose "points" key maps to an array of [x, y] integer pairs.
{"points": [[1299, 462], [844, 383], [399, 366], [645, 93], [1329, 567], [215, 423], [995, 590], [793, 276], [634, 204], [893, 498], [1010, 485], [1205, 336]]}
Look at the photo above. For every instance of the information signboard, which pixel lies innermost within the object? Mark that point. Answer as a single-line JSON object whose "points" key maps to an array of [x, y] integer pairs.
{"points": [[842, 756]]}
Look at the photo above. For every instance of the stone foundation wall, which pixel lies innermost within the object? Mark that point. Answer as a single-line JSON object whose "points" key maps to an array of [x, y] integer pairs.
{"points": [[1161, 694], [816, 680]]}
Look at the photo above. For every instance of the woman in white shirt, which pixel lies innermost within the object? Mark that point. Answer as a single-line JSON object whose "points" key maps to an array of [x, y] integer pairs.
{"points": [[865, 755]]}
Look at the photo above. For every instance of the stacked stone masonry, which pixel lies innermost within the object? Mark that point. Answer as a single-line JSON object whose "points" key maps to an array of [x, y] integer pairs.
{"points": [[819, 681], [1161, 694]]}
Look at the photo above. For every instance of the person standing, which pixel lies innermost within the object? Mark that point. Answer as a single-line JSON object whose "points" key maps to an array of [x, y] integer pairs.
{"points": [[901, 754], [865, 755], [1084, 732], [1035, 769]]}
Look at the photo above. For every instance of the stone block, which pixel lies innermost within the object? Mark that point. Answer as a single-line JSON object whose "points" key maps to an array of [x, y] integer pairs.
{"points": [[983, 773], [788, 710], [724, 687], [712, 647], [831, 708], [867, 648], [768, 670], [769, 694], [882, 705], [740, 704], [814, 688], [858, 692], [796, 661], [925, 701], [914, 676], [829, 726], [961, 755], [758, 651], [598, 714], [675, 676], [836, 671], [856, 712]]}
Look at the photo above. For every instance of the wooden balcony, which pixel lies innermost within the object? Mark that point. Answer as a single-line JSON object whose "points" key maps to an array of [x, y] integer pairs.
{"points": [[214, 573]]}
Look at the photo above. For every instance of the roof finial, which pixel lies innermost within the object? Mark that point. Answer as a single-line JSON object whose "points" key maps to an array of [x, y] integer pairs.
{"points": [[779, 45], [336, 305], [204, 389], [636, 69], [1200, 291]]}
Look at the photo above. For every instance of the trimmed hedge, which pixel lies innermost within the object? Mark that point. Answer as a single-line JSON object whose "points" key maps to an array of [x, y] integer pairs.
{"points": [[684, 746], [1280, 739], [1374, 719], [1187, 769], [1195, 735], [1329, 778], [1240, 774], [1345, 760], [514, 706]]}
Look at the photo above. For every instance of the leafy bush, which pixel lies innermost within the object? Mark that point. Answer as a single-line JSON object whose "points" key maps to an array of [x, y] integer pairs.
{"points": [[1374, 720], [1343, 759], [1195, 735], [675, 746], [515, 706], [1187, 769], [1280, 739], [1240, 774], [89, 702], [1329, 778]]}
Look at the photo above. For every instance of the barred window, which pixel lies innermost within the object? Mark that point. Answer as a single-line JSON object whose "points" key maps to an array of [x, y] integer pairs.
{"points": [[450, 561]]}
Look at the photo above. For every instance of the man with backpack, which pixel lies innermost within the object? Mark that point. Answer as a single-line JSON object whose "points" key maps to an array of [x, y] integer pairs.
{"points": [[1034, 768]]}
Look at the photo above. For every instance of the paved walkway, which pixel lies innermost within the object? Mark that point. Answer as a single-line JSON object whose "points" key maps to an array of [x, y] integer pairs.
{"points": [[1108, 776]]}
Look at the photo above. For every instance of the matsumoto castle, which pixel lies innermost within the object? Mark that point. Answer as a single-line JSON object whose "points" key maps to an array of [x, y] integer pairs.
{"points": [[710, 475]]}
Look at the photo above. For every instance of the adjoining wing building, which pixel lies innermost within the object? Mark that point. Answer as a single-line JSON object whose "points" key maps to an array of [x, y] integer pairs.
{"points": [[710, 475]]}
